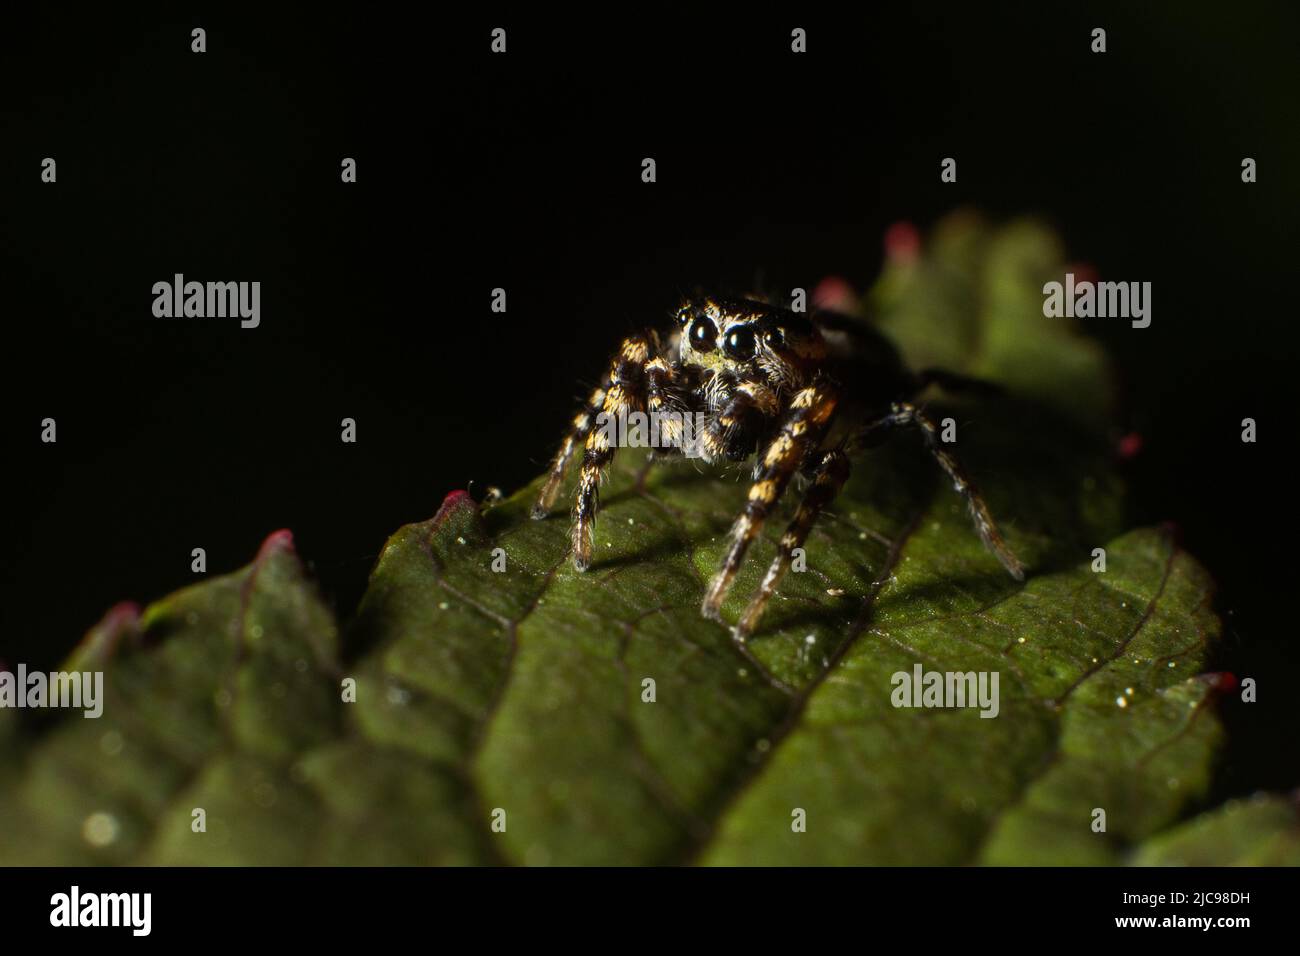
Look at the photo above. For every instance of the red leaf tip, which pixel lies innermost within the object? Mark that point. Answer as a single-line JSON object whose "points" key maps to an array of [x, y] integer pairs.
{"points": [[281, 540], [1082, 272], [123, 614], [456, 499], [1223, 682], [902, 242], [835, 293], [1129, 446]]}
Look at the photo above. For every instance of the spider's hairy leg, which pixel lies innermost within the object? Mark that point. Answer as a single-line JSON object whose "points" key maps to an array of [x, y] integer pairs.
{"points": [[801, 432], [831, 473], [626, 394], [582, 425], [665, 400], [905, 413], [745, 408]]}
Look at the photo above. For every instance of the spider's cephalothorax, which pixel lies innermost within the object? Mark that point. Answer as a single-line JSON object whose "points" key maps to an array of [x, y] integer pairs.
{"points": [[765, 381]]}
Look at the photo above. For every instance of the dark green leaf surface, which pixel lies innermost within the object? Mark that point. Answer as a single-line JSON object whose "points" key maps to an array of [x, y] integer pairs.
{"points": [[518, 696], [1261, 831]]}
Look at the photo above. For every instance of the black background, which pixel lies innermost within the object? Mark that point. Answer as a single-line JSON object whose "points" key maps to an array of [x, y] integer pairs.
{"points": [[523, 171], [342, 906]]}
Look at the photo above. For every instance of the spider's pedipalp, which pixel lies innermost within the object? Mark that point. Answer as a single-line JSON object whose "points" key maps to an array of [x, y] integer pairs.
{"points": [[799, 435], [905, 413], [828, 478], [744, 410], [665, 400]]}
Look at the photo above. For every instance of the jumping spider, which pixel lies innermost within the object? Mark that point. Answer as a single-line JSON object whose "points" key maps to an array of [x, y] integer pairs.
{"points": [[771, 380]]}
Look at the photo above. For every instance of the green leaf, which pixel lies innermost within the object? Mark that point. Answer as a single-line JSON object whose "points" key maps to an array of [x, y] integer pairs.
{"points": [[1261, 831], [517, 697]]}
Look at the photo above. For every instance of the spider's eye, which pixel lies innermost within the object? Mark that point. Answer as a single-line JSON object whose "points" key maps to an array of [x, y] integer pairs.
{"points": [[774, 338], [683, 317], [739, 343], [703, 335]]}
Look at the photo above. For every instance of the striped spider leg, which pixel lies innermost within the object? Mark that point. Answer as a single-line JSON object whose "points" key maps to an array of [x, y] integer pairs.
{"points": [[795, 442], [639, 379], [905, 414]]}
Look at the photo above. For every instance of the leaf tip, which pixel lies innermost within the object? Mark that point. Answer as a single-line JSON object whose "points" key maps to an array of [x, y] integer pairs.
{"points": [[102, 641], [281, 540], [1082, 272], [835, 293], [121, 615], [454, 500], [1220, 682], [902, 243], [1129, 446]]}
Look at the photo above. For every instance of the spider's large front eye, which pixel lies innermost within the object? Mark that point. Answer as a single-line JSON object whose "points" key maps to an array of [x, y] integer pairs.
{"points": [[739, 343], [704, 336]]}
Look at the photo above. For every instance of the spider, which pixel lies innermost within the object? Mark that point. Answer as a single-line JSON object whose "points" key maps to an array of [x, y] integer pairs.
{"points": [[767, 382]]}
